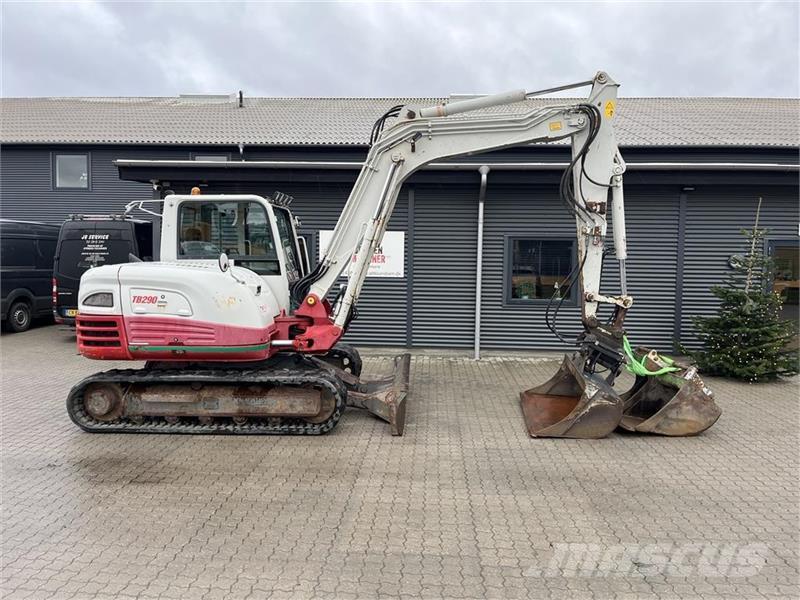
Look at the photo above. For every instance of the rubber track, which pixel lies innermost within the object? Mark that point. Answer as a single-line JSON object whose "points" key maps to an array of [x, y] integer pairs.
{"points": [[300, 375]]}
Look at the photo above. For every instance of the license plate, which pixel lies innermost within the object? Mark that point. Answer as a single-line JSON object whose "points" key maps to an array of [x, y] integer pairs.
{"points": [[72, 312]]}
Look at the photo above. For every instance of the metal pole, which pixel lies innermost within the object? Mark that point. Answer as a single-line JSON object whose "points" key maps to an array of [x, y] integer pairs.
{"points": [[484, 171]]}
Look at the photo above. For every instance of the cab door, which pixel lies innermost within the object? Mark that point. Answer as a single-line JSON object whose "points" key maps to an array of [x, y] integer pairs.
{"points": [[287, 234]]}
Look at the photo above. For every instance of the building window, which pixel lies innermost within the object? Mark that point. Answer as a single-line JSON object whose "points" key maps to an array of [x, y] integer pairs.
{"points": [[212, 157], [72, 171], [786, 277], [537, 269]]}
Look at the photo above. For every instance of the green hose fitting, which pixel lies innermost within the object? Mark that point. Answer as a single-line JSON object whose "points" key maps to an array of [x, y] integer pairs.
{"points": [[638, 367]]}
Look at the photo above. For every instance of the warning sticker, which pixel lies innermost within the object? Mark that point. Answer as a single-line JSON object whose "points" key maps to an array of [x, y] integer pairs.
{"points": [[610, 106], [555, 126]]}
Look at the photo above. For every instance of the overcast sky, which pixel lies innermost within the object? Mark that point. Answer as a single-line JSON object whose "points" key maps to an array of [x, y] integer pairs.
{"points": [[396, 49]]}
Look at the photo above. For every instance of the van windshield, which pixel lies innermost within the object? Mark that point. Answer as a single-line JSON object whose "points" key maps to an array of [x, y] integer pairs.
{"points": [[239, 229]]}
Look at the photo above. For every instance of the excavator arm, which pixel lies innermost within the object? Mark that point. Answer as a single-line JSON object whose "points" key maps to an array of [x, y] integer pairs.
{"points": [[579, 400], [423, 135]]}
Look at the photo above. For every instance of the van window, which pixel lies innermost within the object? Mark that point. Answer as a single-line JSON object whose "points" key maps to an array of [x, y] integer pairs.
{"points": [[18, 253], [144, 240], [94, 249], [46, 251], [239, 229]]}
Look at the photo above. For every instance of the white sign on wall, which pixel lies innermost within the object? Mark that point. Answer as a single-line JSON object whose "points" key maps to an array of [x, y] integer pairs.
{"points": [[388, 260]]}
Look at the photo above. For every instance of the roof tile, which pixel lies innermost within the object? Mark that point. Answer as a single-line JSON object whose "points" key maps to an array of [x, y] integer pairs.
{"points": [[347, 121]]}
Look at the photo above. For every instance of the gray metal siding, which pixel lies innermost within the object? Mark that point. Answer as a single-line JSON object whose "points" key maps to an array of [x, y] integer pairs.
{"points": [[27, 189], [537, 212], [26, 192], [441, 310], [715, 218], [445, 233], [652, 218]]}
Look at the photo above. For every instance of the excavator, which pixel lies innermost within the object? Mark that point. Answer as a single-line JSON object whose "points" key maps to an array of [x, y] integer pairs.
{"points": [[239, 335]]}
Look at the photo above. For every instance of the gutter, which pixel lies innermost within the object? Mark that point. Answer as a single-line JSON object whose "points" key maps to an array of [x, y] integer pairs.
{"points": [[453, 166], [484, 171]]}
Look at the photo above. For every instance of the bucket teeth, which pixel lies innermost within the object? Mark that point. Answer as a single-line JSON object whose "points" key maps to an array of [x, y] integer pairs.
{"points": [[571, 404], [672, 404]]}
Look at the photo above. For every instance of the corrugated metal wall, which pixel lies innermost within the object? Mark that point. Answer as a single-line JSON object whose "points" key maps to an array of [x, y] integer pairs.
{"points": [[445, 251], [652, 220], [446, 232], [27, 184], [715, 217], [441, 310]]}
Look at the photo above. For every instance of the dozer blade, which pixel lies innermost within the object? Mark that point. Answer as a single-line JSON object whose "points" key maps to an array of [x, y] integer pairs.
{"points": [[677, 403], [385, 397], [571, 404]]}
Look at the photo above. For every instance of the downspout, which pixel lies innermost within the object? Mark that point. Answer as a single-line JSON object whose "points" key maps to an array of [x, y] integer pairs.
{"points": [[484, 171]]}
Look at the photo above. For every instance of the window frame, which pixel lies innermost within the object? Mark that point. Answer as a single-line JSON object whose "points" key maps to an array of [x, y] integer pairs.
{"points": [[769, 251], [271, 226], [508, 249], [54, 171], [287, 214], [311, 237]]}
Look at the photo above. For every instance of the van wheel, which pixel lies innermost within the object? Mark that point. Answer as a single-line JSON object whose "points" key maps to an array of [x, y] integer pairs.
{"points": [[19, 316]]}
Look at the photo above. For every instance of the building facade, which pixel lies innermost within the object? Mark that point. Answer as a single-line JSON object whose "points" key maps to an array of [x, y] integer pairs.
{"points": [[686, 199]]}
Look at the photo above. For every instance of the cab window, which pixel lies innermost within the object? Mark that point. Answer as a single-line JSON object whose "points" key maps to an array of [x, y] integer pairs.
{"points": [[239, 229], [284, 219]]}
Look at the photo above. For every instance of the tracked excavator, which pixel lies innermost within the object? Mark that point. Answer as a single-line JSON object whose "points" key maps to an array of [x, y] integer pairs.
{"points": [[241, 336]]}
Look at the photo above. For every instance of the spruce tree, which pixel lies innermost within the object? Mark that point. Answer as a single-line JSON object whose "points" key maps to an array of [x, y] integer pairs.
{"points": [[748, 339]]}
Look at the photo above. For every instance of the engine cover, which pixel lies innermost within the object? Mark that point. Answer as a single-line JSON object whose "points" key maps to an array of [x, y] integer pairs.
{"points": [[176, 311]]}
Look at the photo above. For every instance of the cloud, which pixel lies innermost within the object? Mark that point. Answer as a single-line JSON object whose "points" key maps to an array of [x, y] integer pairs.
{"points": [[400, 49]]}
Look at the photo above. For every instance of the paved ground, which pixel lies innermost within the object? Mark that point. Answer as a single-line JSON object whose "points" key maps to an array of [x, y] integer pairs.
{"points": [[464, 506]]}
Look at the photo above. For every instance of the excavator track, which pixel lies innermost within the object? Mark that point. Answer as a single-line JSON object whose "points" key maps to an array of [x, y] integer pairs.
{"points": [[288, 375]]}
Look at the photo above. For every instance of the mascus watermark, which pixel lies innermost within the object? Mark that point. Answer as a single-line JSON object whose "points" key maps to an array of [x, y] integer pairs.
{"points": [[702, 559]]}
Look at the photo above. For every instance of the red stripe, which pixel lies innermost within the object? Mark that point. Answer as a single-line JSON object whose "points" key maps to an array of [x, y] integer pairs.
{"points": [[164, 331]]}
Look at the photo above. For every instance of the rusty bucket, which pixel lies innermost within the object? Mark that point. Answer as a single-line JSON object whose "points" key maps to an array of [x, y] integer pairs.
{"points": [[384, 397], [674, 403], [571, 404]]}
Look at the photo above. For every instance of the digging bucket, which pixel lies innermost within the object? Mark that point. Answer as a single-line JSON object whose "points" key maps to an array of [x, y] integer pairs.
{"points": [[671, 401], [571, 404]]}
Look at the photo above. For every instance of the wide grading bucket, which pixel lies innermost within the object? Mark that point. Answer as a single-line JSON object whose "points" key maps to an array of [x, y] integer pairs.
{"points": [[571, 404], [384, 397], [667, 398]]}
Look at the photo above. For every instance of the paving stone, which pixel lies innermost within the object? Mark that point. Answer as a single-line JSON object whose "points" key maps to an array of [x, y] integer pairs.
{"points": [[465, 505]]}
